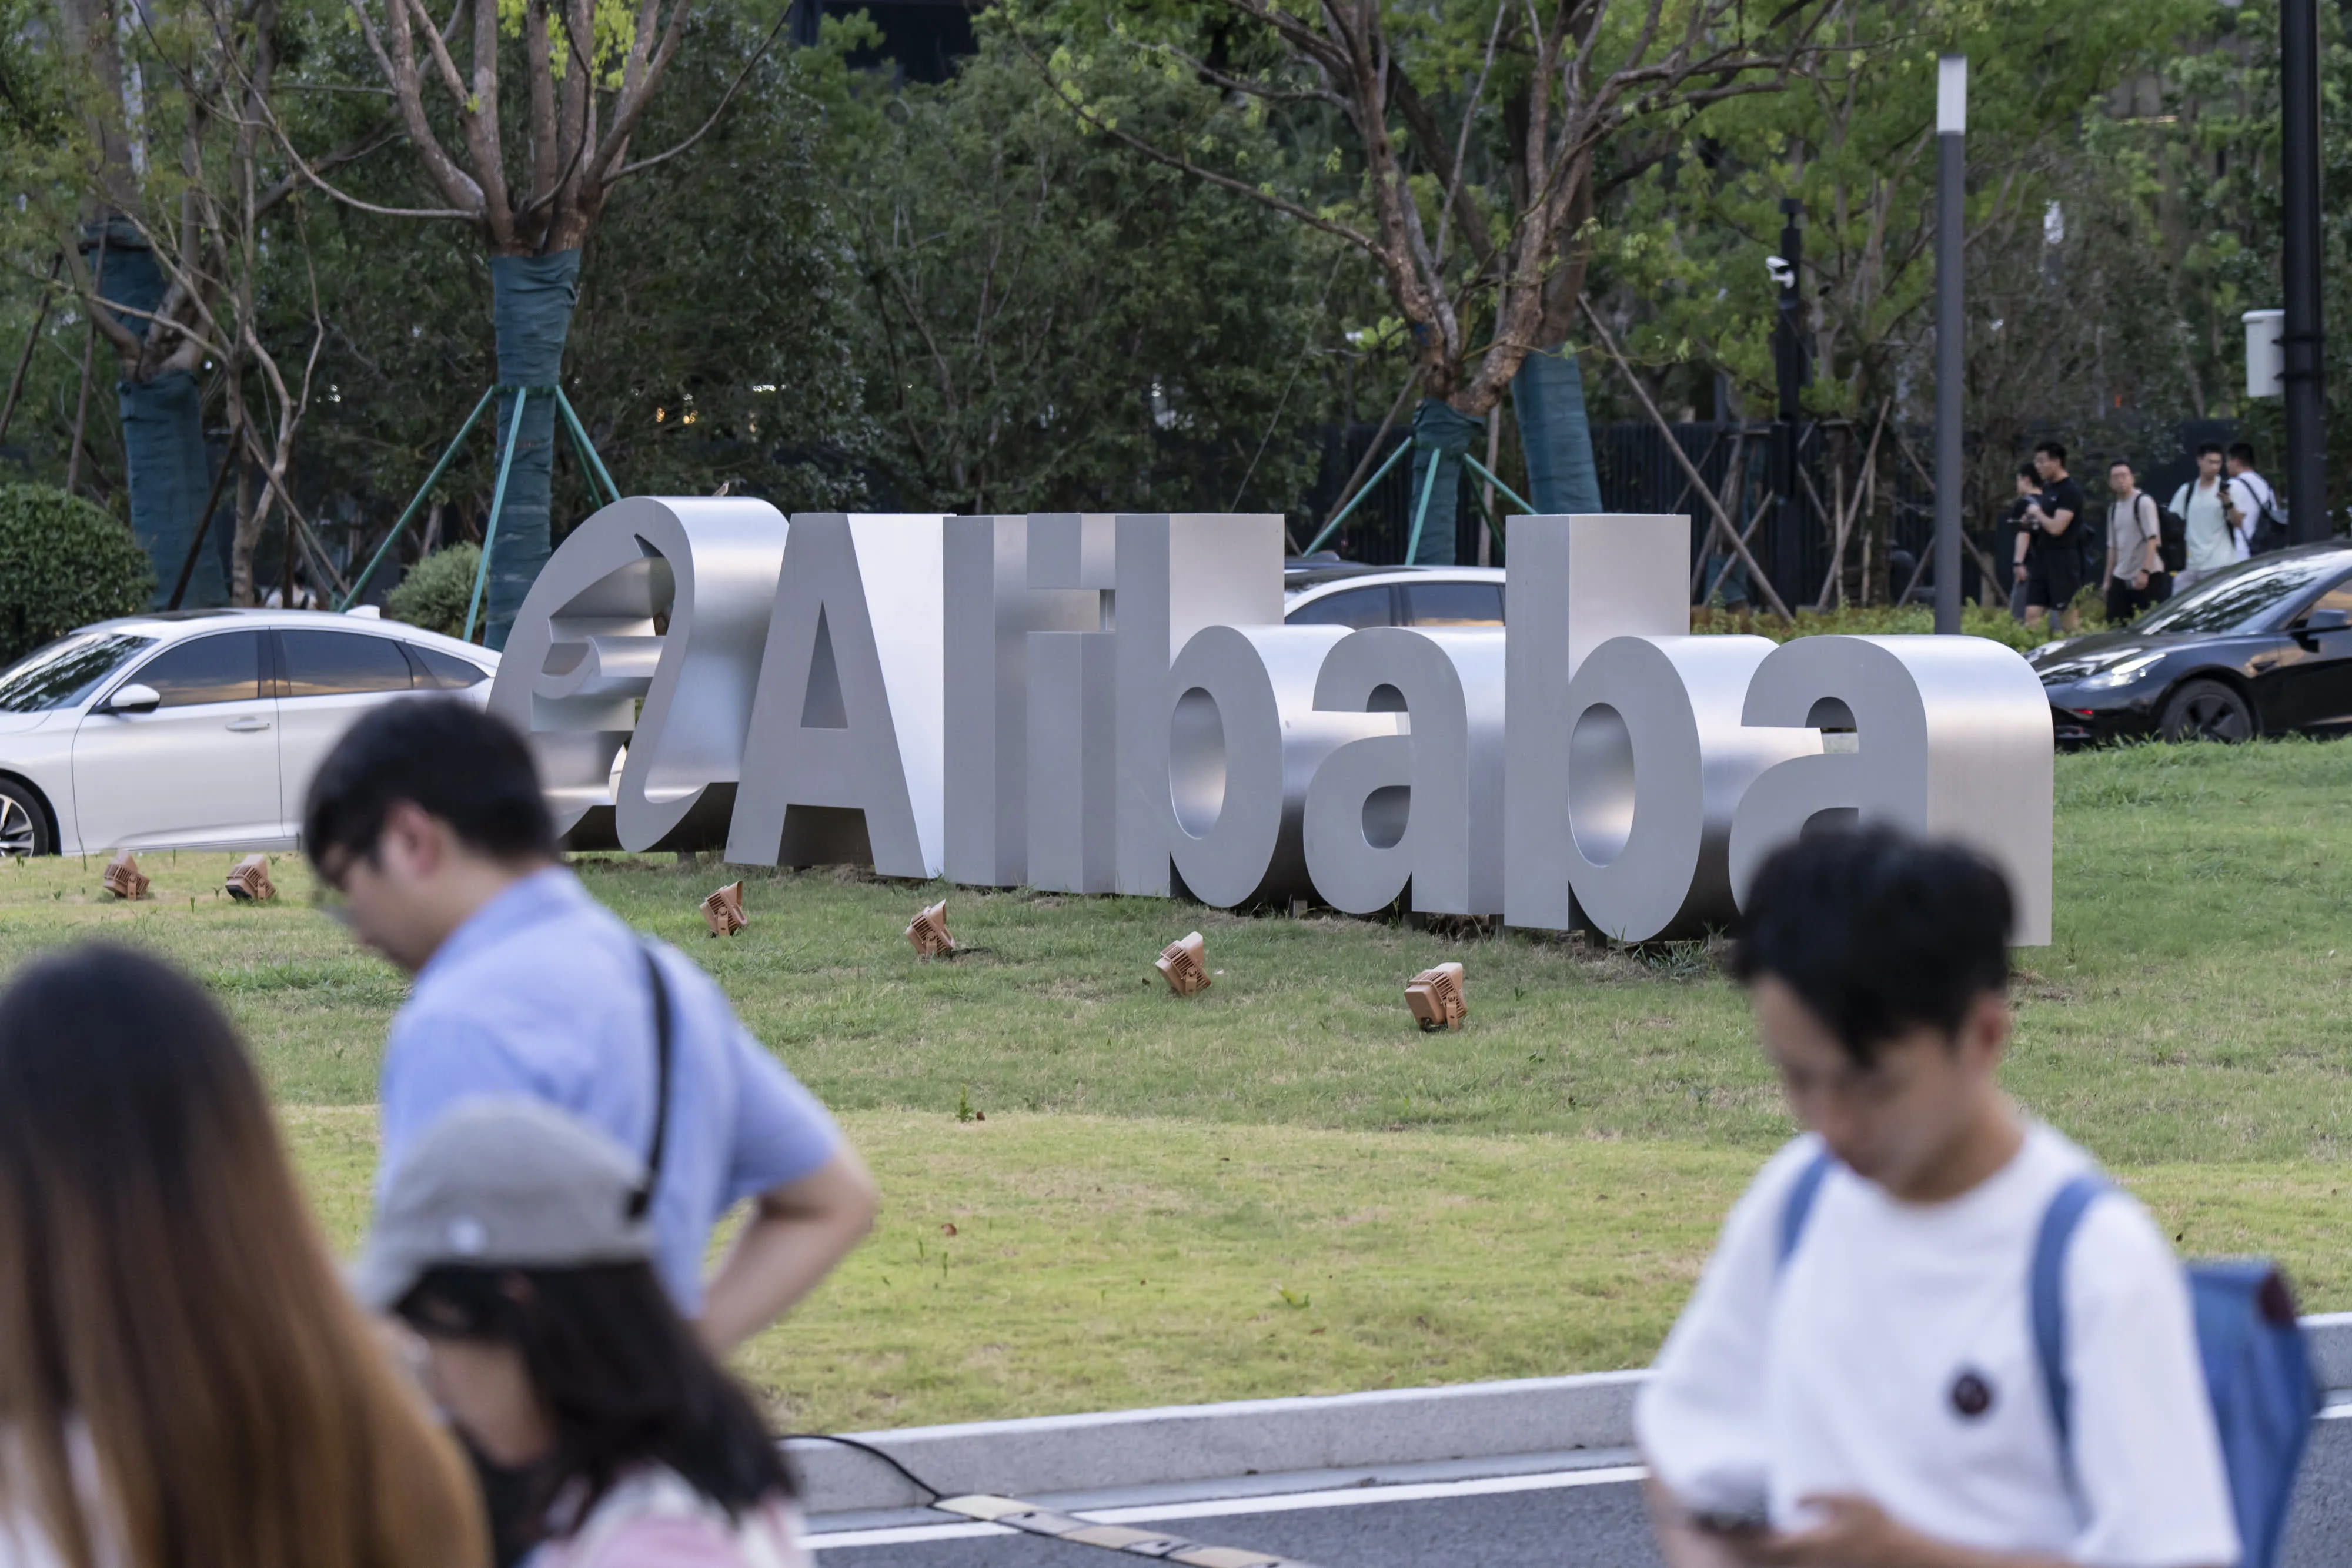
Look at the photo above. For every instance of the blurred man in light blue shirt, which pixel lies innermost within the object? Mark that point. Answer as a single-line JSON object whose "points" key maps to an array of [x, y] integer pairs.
{"points": [[427, 818]]}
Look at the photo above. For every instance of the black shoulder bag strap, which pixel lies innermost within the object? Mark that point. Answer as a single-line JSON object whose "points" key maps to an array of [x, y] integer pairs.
{"points": [[641, 1200]]}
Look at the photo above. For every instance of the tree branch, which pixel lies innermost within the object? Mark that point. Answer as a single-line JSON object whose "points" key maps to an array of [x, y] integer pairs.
{"points": [[1289, 209], [1722, 522], [725, 98]]}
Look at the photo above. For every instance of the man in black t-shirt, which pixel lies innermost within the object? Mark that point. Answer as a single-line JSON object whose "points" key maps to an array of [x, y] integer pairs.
{"points": [[2010, 529], [2053, 569]]}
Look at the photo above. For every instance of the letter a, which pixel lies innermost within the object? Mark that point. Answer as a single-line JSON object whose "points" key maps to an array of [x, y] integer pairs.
{"points": [[847, 719]]}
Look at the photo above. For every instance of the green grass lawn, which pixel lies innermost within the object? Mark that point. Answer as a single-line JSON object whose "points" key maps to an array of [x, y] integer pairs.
{"points": [[1280, 1186]]}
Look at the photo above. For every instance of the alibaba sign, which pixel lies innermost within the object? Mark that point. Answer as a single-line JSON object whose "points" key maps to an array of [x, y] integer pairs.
{"points": [[1113, 705]]}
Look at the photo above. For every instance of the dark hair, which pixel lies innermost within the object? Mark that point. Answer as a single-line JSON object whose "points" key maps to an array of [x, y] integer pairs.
{"points": [[2027, 471], [2115, 462], [2212, 446], [624, 1379], [1877, 932], [164, 1286], [2056, 449], [2243, 451], [443, 755]]}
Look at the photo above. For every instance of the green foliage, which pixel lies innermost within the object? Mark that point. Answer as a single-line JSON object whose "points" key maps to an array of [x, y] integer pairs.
{"points": [[709, 346], [63, 563], [2067, 272], [1048, 321], [2202, 163], [1856, 147], [437, 590], [1876, 621]]}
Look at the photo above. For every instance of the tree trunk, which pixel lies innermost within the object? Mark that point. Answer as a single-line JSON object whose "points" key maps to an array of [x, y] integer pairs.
{"points": [[1548, 400], [1548, 389], [164, 462], [1441, 435], [247, 512], [530, 304]]}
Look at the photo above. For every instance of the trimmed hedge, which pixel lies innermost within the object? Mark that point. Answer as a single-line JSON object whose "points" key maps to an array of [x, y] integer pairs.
{"points": [[63, 563], [1882, 620], [434, 594]]}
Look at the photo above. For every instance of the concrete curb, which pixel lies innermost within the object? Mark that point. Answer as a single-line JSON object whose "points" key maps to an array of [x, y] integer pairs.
{"points": [[1051, 1454]]}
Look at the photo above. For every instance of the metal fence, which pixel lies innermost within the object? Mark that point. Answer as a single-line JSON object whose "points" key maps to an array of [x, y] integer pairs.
{"points": [[1638, 474]]}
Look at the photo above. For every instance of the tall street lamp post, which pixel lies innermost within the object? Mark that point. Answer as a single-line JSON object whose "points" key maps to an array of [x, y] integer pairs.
{"points": [[2306, 420], [1789, 364], [1951, 123]]}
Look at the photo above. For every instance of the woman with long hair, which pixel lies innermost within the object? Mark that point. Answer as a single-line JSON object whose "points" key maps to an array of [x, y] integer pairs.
{"points": [[513, 1240], [185, 1379]]}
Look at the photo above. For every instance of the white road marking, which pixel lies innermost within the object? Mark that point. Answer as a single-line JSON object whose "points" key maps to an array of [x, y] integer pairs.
{"points": [[1227, 1507]]}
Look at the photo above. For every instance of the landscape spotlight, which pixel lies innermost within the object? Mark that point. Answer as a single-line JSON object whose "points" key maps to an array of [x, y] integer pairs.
{"points": [[123, 878], [929, 933], [723, 910], [248, 880], [1179, 962], [1435, 997]]}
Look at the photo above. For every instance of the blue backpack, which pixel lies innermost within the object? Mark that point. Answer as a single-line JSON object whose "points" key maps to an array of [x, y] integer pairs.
{"points": [[2257, 1366]]}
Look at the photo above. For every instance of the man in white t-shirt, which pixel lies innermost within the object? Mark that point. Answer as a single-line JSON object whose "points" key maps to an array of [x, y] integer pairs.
{"points": [[2249, 498], [2214, 542], [1874, 1397]]}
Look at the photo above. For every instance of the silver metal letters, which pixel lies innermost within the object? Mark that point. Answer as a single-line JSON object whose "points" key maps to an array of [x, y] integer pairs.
{"points": [[1097, 703], [847, 745]]}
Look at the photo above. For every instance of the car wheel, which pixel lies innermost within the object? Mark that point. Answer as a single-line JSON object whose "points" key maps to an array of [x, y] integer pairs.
{"points": [[2207, 710], [24, 826]]}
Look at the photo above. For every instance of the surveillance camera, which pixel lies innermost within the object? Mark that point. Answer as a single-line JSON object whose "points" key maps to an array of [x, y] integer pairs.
{"points": [[1783, 275]]}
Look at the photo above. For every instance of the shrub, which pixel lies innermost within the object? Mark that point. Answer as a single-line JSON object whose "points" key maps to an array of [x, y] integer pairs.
{"points": [[435, 593], [63, 563], [1879, 621]]}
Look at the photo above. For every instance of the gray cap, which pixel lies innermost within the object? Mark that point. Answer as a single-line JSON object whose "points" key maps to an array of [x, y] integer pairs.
{"points": [[502, 1182]]}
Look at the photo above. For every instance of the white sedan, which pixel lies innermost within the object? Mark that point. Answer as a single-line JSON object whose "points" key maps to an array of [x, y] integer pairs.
{"points": [[199, 728], [1327, 591]]}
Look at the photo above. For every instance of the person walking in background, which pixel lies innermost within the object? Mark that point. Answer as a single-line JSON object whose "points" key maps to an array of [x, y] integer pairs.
{"points": [[185, 1380], [1855, 1381], [512, 1240], [2215, 544], [428, 820], [2016, 534], [2253, 504], [2054, 570], [2135, 578]]}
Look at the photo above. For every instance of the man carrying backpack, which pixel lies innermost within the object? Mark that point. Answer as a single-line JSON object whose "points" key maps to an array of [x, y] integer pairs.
{"points": [[2213, 542], [2253, 504], [2135, 575], [1860, 1377]]}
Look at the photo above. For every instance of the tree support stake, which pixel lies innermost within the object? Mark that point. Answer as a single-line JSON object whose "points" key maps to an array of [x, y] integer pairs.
{"points": [[497, 504]]}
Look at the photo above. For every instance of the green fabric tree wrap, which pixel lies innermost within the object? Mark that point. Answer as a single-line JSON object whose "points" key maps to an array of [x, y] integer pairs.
{"points": [[1440, 437], [1548, 400], [531, 299], [169, 472]]}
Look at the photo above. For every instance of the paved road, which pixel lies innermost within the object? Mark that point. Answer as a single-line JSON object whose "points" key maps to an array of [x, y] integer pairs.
{"points": [[1589, 1519]]}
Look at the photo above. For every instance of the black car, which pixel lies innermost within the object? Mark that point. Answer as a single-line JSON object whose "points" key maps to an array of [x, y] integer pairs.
{"points": [[2262, 649]]}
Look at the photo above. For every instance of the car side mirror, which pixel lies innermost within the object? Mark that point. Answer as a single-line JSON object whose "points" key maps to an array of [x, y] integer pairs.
{"points": [[2329, 618], [133, 698]]}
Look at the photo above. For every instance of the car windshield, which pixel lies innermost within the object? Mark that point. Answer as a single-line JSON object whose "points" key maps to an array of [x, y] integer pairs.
{"points": [[2229, 602], [66, 671]]}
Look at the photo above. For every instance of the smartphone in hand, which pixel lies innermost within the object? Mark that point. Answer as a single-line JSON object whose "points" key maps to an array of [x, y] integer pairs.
{"points": [[1748, 1519]]}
